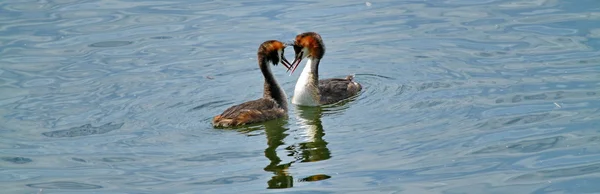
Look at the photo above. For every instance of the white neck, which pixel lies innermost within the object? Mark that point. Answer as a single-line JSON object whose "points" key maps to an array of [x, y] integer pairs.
{"points": [[306, 92]]}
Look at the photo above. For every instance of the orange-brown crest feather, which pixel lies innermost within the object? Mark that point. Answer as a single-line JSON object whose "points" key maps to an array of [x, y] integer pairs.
{"points": [[277, 45], [273, 46], [312, 41]]}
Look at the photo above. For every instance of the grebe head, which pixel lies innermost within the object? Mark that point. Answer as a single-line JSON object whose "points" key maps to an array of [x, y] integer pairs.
{"points": [[308, 44], [273, 50]]}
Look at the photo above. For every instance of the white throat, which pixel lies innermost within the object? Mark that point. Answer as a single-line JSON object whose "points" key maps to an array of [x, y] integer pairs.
{"points": [[306, 92]]}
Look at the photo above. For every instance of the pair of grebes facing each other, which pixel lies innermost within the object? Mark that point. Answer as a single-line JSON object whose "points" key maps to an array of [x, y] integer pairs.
{"points": [[309, 91]]}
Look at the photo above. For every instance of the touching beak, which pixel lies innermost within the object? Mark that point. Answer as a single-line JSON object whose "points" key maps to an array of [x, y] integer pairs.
{"points": [[285, 63], [296, 62]]}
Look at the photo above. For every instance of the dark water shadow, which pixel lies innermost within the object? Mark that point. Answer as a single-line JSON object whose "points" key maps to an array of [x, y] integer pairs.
{"points": [[315, 147], [107, 44], [573, 171], [329, 109], [211, 104], [64, 185], [84, 130], [229, 180], [312, 150], [16, 160], [524, 146], [275, 132]]}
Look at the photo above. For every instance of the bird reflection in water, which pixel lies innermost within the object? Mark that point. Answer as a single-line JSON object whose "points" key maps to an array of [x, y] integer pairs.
{"points": [[312, 149]]}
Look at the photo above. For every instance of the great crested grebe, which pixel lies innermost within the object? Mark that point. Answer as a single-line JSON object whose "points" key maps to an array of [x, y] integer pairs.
{"points": [[272, 105], [310, 91]]}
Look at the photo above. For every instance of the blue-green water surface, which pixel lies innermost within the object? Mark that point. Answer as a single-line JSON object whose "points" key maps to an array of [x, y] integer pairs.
{"points": [[460, 96]]}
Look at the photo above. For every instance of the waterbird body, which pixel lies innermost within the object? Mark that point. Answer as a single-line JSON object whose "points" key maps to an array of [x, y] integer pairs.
{"points": [[272, 105], [309, 90]]}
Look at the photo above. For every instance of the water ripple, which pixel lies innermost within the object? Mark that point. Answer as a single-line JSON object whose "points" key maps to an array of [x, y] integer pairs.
{"points": [[64, 185], [460, 96], [17, 160], [84, 130]]}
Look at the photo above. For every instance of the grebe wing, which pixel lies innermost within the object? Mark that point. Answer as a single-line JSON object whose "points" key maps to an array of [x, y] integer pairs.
{"points": [[337, 89], [250, 112], [259, 105]]}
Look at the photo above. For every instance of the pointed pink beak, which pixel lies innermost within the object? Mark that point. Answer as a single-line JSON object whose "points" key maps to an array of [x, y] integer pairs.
{"points": [[296, 62], [286, 63]]}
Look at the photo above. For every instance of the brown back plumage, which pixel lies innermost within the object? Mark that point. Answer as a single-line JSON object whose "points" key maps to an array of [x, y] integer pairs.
{"points": [[337, 89], [255, 111]]}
